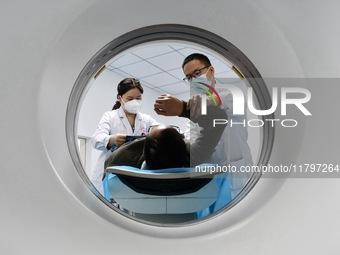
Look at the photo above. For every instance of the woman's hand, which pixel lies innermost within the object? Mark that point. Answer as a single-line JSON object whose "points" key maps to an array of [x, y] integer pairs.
{"points": [[116, 139]]}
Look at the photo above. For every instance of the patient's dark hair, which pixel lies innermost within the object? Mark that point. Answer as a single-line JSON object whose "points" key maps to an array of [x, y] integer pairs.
{"points": [[167, 150]]}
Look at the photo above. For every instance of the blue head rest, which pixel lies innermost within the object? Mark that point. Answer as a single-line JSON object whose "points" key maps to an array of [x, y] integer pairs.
{"points": [[170, 181]]}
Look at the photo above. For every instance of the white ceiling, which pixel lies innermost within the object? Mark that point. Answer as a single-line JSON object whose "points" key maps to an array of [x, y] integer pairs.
{"points": [[159, 66]]}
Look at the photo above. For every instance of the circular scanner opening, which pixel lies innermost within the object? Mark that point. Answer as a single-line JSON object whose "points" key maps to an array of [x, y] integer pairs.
{"points": [[154, 55]]}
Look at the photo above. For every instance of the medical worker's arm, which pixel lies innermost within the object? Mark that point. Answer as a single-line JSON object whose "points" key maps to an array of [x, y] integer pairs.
{"points": [[102, 139], [203, 147]]}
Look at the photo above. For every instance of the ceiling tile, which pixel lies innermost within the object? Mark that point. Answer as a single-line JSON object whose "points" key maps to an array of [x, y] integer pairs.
{"points": [[161, 91], [140, 69], [176, 88], [160, 79], [125, 60], [123, 74], [177, 46], [188, 51], [228, 74], [168, 61], [178, 73], [150, 52], [219, 66], [145, 84], [110, 68], [160, 67]]}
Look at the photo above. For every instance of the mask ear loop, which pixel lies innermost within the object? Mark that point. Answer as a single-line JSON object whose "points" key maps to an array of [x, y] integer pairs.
{"points": [[121, 98]]}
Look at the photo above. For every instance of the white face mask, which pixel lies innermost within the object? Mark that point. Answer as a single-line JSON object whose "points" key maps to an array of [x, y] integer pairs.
{"points": [[197, 86], [132, 106]]}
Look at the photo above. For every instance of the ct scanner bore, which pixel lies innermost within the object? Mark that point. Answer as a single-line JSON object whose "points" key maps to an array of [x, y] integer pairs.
{"points": [[164, 33], [76, 60]]}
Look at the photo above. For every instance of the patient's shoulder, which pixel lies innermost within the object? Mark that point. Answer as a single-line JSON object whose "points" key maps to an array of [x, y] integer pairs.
{"points": [[129, 154]]}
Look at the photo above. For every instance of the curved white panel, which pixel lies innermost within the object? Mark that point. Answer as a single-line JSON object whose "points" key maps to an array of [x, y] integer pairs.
{"points": [[46, 207]]}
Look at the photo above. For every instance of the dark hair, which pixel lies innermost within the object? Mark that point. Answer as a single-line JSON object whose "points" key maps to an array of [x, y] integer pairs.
{"points": [[198, 56], [126, 85], [166, 150]]}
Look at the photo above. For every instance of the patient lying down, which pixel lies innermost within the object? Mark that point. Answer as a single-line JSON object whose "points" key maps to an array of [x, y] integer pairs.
{"points": [[164, 147]]}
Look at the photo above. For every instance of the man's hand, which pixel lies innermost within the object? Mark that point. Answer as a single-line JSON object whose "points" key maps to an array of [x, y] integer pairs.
{"points": [[168, 105]]}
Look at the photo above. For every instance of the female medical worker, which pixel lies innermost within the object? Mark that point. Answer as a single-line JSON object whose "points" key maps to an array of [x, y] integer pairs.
{"points": [[124, 119]]}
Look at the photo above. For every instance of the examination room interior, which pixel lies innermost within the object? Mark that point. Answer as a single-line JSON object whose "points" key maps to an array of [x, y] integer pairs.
{"points": [[158, 66]]}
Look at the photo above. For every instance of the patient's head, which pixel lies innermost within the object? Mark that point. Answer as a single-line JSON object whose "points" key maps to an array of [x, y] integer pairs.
{"points": [[164, 148]]}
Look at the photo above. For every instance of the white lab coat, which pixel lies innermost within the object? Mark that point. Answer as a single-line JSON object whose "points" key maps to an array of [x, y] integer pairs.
{"points": [[113, 122], [233, 148]]}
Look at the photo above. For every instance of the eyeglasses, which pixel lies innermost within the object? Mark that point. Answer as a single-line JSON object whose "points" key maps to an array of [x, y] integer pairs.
{"points": [[168, 126], [194, 74]]}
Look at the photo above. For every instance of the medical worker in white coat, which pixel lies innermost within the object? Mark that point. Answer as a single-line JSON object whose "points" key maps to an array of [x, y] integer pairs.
{"points": [[114, 126], [233, 148]]}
